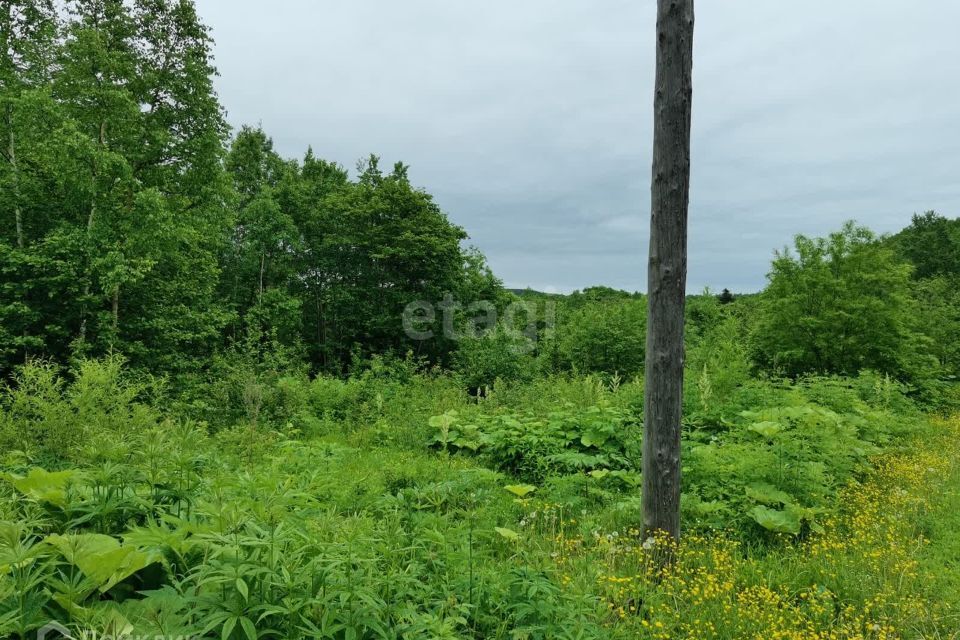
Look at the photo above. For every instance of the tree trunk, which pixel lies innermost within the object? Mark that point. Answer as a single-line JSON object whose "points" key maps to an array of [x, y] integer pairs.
{"points": [[321, 331], [17, 211], [263, 262], [15, 171], [115, 312], [91, 218], [667, 271], [89, 276], [101, 143]]}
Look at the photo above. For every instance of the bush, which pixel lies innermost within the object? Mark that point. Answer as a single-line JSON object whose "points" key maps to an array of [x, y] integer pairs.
{"points": [[606, 337], [840, 305], [717, 364], [779, 467], [498, 355], [532, 446], [52, 417]]}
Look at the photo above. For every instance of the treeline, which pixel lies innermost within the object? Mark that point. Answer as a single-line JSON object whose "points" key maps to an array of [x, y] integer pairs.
{"points": [[133, 224], [839, 305]]}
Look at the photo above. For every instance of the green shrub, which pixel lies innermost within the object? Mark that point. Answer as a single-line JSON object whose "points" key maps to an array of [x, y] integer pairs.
{"points": [[606, 337], [54, 418], [534, 446], [717, 364], [781, 466], [497, 355], [841, 304]]}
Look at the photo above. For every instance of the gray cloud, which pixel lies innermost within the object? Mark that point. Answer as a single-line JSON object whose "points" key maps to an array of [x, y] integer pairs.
{"points": [[531, 121]]}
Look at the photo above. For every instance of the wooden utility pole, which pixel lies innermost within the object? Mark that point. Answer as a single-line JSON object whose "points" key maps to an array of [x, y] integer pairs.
{"points": [[667, 270]]}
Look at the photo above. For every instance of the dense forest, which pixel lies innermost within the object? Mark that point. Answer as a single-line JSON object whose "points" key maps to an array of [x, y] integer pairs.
{"points": [[138, 226], [249, 396]]}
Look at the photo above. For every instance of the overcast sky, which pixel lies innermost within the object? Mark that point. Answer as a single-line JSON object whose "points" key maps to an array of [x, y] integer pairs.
{"points": [[531, 120]]}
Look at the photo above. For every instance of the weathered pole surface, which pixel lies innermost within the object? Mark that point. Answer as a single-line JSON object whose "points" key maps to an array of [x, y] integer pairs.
{"points": [[667, 270]]}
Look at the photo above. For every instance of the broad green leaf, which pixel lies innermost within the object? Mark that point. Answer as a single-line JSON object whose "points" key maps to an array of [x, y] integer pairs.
{"points": [[116, 625], [44, 486], [775, 520], [520, 490], [242, 588], [443, 421], [593, 438], [228, 627], [767, 494], [101, 558], [248, 628], [509, 534], [67, 601], [808, 515], [767, 429], [708, 508], [463, 443]]}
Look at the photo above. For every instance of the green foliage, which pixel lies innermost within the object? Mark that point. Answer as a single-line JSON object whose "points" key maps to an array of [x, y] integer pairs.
{"points": [[776, 520], [379, 245], [938, 301], [717, 361], [931, 244], [42, 415], [44, 486], [782, 465], [282, 460], [842, 304], [607, 337], [103, 560], [243, 381], [330, 516], [115, 139], [496, 355], [134, 230], [534, 446], [173, 530], [261, 269]]}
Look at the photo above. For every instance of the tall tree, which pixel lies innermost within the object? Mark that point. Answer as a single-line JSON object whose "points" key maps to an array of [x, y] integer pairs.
{"points": [[839, 305], [931, 244], [98, 70], [385, 245], [319, 181], [174, 312], [667, 270], [28, 30], [135, 79], [261, 266], [28, 34]]}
